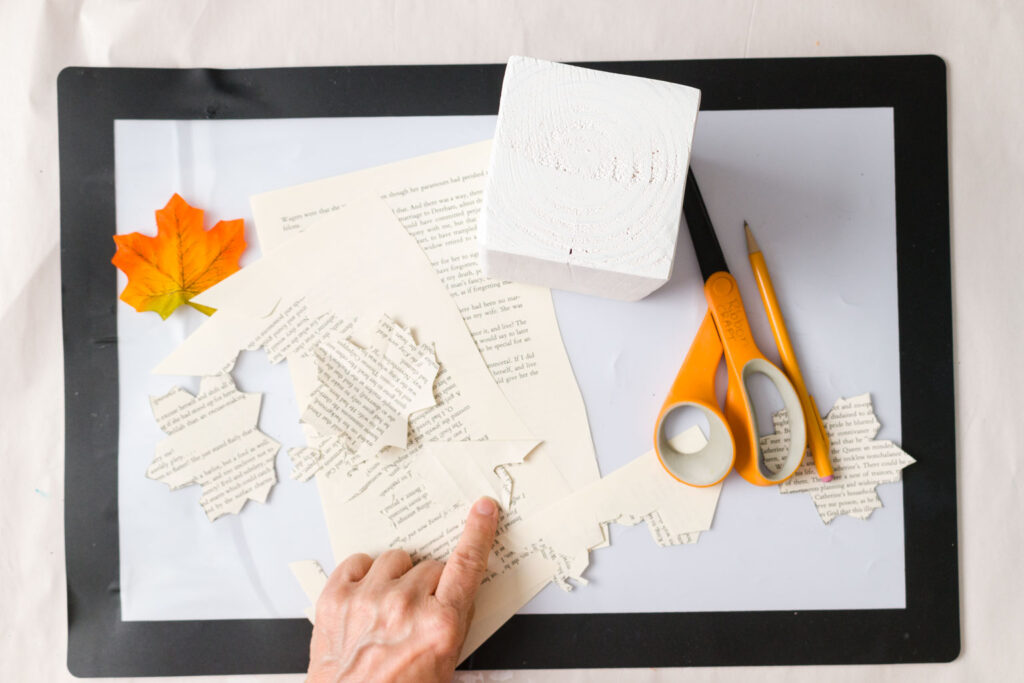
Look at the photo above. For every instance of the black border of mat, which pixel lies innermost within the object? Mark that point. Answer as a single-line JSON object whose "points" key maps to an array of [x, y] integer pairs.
{"points": [[100, 644]]}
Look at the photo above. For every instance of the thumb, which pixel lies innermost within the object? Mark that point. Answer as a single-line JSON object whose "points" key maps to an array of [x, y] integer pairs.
{"points": [[467, 565]]}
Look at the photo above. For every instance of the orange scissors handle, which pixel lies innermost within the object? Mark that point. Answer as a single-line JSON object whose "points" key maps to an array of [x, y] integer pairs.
{"points": [[743, 360], [732, 438], [694, 387]]}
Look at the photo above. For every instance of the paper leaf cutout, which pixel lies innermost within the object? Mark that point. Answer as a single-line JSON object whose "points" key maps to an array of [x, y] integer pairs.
{"points": [[183, 259], [213, 441], [367, 395], [860, 462]]}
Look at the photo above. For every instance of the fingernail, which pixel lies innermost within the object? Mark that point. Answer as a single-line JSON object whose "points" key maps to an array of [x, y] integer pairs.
{"points": [[485, 507]]}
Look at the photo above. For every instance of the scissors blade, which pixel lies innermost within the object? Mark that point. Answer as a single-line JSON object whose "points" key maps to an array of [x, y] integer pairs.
{"points": [[709, 253]]}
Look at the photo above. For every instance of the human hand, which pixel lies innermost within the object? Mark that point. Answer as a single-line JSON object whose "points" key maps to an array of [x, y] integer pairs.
{"points": [[385, 620]]}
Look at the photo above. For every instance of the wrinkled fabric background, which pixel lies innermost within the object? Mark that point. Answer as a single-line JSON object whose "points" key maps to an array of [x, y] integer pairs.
{"points": [[982, 43]]}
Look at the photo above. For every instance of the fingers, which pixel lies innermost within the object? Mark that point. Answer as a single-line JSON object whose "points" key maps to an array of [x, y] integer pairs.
{"points": [[390, 565], [424, 576], [467, 565], [353, 568]]}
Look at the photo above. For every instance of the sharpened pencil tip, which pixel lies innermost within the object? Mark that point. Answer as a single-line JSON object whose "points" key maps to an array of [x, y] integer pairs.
{"points": [[751, 242]]}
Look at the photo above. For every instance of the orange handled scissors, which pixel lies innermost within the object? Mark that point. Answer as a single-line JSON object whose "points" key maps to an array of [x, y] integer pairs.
{"points": [[733, 438]]}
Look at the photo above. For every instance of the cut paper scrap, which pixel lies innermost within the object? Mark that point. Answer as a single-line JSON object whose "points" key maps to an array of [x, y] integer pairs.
{"points": [[312, 578], [640, 491], [213, 441], [860, 462], [183, 259], [366, 395]]}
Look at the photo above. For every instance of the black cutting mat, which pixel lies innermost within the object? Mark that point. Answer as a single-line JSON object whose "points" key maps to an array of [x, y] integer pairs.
{"points": [[100, 644]]}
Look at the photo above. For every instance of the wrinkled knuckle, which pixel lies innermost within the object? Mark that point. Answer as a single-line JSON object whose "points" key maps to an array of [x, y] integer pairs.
{"points": [[397, 601]]}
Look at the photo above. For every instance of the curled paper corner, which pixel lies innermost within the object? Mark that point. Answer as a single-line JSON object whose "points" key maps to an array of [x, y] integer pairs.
{"points": [[213, 441], [312, 578], [861, 463]]}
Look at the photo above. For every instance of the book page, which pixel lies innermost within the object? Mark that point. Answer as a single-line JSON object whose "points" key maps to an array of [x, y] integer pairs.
{"points": [[437, 198]]}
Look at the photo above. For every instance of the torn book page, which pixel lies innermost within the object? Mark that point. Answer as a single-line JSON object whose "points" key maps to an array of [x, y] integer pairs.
{"points": [[860, 462], [555, 544], [213, 441], [641, 491], [423, 512], [528, 553], [366, 395], [437, 198]]}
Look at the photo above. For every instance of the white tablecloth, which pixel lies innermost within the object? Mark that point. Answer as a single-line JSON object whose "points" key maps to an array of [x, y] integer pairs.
{"points": [[981, 42]]}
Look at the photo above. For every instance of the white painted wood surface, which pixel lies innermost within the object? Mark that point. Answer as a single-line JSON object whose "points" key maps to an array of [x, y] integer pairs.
{"points": [[586, 180]]}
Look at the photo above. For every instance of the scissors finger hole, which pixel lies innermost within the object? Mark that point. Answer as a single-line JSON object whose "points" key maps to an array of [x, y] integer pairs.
{"points": [[765, 403], [680, 420], [694, 444]]}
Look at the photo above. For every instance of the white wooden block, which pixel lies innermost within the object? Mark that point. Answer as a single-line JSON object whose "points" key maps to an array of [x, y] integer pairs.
{"points": [[586, 180]]}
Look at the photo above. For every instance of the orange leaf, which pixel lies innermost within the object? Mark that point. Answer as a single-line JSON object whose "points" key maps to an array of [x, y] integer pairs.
{"points": [[166, 271]]}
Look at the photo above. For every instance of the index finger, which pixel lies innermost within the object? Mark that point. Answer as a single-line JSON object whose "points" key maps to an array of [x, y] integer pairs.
{"points": [[467, 565]]}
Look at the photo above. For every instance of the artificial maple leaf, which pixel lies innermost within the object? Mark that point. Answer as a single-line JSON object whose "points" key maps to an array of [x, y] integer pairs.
{"points": [[183, 259]]}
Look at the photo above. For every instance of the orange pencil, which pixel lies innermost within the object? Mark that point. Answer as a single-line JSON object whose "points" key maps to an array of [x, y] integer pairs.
{"points": [[817, 438]]}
